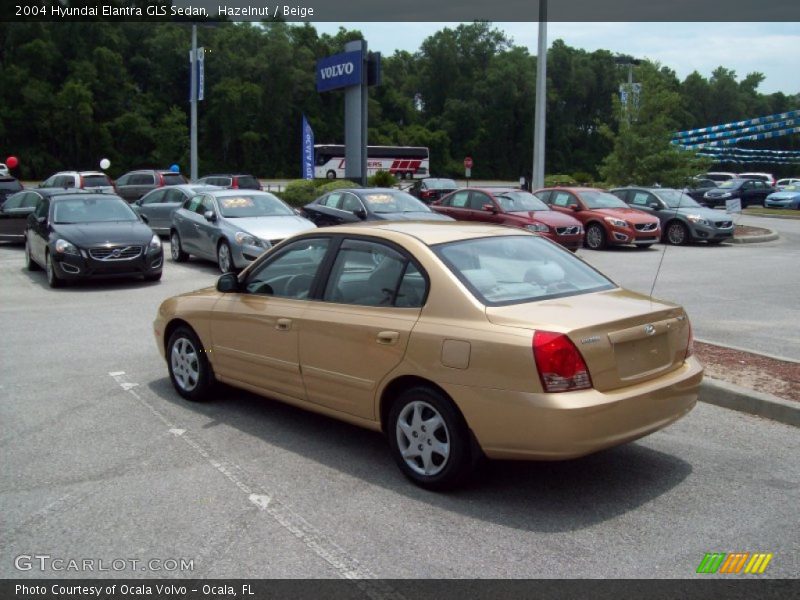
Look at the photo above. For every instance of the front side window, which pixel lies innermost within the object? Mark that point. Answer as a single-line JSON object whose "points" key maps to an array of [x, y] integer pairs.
{"points": [[459, 199], [563, 199], [292, 272], [153, 197], [516, 269], [372, 274]]}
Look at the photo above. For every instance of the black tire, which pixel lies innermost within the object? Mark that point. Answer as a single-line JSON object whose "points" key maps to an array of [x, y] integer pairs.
{"points": [[30, 264], [595, 238], [225, 258], [189, 371], [153, 276], [448, 471], [53, 280], [176, 250], [330, 174], [677, 234]]}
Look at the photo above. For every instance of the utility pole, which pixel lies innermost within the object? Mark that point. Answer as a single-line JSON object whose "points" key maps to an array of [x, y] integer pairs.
{"points": [[193, 100], [537, 179]]}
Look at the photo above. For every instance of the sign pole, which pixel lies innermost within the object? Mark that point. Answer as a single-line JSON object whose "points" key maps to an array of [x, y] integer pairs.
{"points": [[193, 98], [537, 176], [355, 120]]}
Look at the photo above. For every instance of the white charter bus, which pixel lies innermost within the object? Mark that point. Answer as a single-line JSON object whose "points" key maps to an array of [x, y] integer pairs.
{"points": [[404, 162]]}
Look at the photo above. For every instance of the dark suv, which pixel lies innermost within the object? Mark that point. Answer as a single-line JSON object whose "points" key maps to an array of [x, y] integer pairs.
{"points": [[135, 184], [233, 182]]}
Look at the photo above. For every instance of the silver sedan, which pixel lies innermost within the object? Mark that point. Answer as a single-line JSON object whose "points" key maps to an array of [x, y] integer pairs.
{"points": [[232, 227]]}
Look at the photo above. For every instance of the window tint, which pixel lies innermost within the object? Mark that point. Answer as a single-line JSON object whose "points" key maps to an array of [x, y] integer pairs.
{"points": [[65, 181], [206, 204], [516, 269], [367, 274], [193, 203], [142, 179], [543, 195], [413, 288], [42, 208], [173, 196], [350, 203], [31, 200], [248, 182], [10, 185], [173, 178], [14, 201], [563, 199], [291, 273], [333, 200], [90, 181], [478, 199], [124, 180], [639, 198], [460, 199], [153, 197]]}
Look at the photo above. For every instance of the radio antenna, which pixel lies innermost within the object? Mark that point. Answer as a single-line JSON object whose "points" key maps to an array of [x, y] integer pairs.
{"points": [[664, 251]]}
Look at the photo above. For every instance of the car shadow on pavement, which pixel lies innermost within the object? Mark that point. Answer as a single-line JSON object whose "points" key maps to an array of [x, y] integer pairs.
{"points": [[535, 496], [83, 285]]}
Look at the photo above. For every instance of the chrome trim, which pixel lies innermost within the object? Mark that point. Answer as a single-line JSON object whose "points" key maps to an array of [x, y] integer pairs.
{"points": [[646, 226], [114, 253], [571, 230]]}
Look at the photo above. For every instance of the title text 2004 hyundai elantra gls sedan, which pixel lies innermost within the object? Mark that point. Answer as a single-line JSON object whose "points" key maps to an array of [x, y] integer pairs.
{"points": [[454, 339]]}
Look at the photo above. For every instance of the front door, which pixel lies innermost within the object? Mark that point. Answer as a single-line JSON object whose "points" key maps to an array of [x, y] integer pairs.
{"points": [[255, 332], [352, 339]]}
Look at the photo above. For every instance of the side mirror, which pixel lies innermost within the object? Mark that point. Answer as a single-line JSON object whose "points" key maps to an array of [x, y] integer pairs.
{"points": [[227, 283], [653, 205], [41, 220], [489, 208], [144, 218], [210, 216], [360, 213], [574, 207]]}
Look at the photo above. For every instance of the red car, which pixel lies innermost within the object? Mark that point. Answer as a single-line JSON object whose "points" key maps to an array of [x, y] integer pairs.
{"points": [[509, 206], [606, 218]]}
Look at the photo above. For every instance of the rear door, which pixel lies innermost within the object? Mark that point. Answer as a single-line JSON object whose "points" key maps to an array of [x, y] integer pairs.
{"points": [[477, 202], [351, 340], [13, 216], [148, 204], [184, 223], [457, 206]]}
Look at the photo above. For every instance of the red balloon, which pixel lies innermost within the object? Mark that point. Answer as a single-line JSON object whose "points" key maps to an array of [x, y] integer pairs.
{"points": [[12, 162]]}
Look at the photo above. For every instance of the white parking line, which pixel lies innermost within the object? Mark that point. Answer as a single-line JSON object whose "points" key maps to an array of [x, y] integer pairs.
{"points": [[345, 565]]}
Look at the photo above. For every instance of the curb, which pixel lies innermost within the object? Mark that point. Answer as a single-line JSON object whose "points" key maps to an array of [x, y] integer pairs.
{"points": [[740, 349], [756, 239], [728, 395]]}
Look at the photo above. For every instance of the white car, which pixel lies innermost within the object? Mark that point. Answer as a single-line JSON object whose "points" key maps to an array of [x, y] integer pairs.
{"points": [[95, 181], [787, 181], [4, 170], [767, 178]]}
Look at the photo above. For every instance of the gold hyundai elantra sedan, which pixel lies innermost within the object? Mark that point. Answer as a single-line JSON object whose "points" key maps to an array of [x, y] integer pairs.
{"points": [[455, 340]]}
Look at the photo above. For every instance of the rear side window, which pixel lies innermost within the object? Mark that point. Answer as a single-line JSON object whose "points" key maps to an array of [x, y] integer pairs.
{"points": [[459, 199], [142, 179], [173, 178], [10, 185], [14, 201], [516, 269]]}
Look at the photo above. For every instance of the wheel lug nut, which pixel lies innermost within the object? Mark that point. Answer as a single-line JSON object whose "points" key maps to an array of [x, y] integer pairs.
{"points": [[423, 428], [414, 433], [419, 447]]}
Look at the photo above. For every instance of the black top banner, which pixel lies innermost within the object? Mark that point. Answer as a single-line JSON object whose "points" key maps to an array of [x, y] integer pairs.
{"points": [[403, 10]]}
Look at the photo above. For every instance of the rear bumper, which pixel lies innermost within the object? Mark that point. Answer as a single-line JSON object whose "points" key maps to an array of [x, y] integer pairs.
{"points": [[525, 426]]}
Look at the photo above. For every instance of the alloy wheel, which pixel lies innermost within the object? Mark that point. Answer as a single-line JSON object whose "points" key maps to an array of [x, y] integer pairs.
{"points": [[185, 364], [423, 438]]}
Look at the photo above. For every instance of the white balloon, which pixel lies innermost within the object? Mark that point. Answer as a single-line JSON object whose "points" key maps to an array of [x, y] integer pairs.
{"points": [[105, 163]]}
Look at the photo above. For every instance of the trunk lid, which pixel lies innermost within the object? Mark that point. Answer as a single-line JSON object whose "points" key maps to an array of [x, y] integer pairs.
{"points": [[625, 338]]}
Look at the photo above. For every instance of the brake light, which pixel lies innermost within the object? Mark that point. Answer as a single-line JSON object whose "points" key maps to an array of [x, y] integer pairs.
{"points": [[235, 183], [690, 344], [561, 366], [80, 181], [161, 180]]}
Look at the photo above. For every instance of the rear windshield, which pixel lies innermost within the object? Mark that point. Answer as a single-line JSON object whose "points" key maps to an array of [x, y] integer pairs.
{"points": [[96, 181], [520, 268], [173, 178], [248, 182], [10, 185]]}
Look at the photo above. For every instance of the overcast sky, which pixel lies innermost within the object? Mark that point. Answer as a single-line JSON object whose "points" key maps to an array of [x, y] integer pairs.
{"points": [[769, 48]]}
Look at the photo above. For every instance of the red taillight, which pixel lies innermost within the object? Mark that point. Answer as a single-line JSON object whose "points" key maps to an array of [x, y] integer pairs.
{"points": [[561, 367], [80, 181], [235, 184], [161, 180], [690, 343]]}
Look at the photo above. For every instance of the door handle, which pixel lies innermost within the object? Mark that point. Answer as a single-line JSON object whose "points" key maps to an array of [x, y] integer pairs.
{"points": [[388, 337], [283, 324]]}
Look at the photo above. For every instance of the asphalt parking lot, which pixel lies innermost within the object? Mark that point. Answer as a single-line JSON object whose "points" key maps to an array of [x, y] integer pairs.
{"points": [[103, 460]]}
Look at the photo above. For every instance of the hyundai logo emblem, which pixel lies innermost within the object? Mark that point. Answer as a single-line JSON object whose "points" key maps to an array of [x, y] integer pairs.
{"points": [[649, 329]]}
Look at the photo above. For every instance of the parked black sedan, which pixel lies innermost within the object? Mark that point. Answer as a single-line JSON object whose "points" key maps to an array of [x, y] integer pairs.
{"points": [[698, 187], [368, 204], [89, 235], [749, 191], [432, 188], [17, 207]]}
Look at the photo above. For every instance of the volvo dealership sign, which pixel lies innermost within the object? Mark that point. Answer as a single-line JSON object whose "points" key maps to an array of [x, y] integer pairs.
{"points": [[339, 70]]}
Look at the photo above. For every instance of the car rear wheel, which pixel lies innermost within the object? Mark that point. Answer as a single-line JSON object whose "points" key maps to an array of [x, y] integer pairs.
{"points": [[429, 439], [53, 280], [595, 237], [677, 233], [178, 255], [225, 258], [189, 369], [30, 264]]}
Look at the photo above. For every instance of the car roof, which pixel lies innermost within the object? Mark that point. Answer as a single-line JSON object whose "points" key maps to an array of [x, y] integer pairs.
{"points": [[55, 191], [218, 192], [567, 188], [227, 175], [427, 232], [84, 194]]}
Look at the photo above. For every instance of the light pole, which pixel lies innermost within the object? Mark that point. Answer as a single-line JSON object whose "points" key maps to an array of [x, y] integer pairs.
{"points": [[193, 99], [537, 175]]}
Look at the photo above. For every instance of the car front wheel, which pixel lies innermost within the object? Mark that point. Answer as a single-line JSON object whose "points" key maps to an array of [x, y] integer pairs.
{"points": [[429, 439], [677, 233], [53, 280], [178, 255], [595, 237], [189, 368], [225, 258]]}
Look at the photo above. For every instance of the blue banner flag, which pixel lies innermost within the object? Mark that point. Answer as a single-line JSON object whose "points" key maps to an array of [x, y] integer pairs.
{"points": [[307, 168]]}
